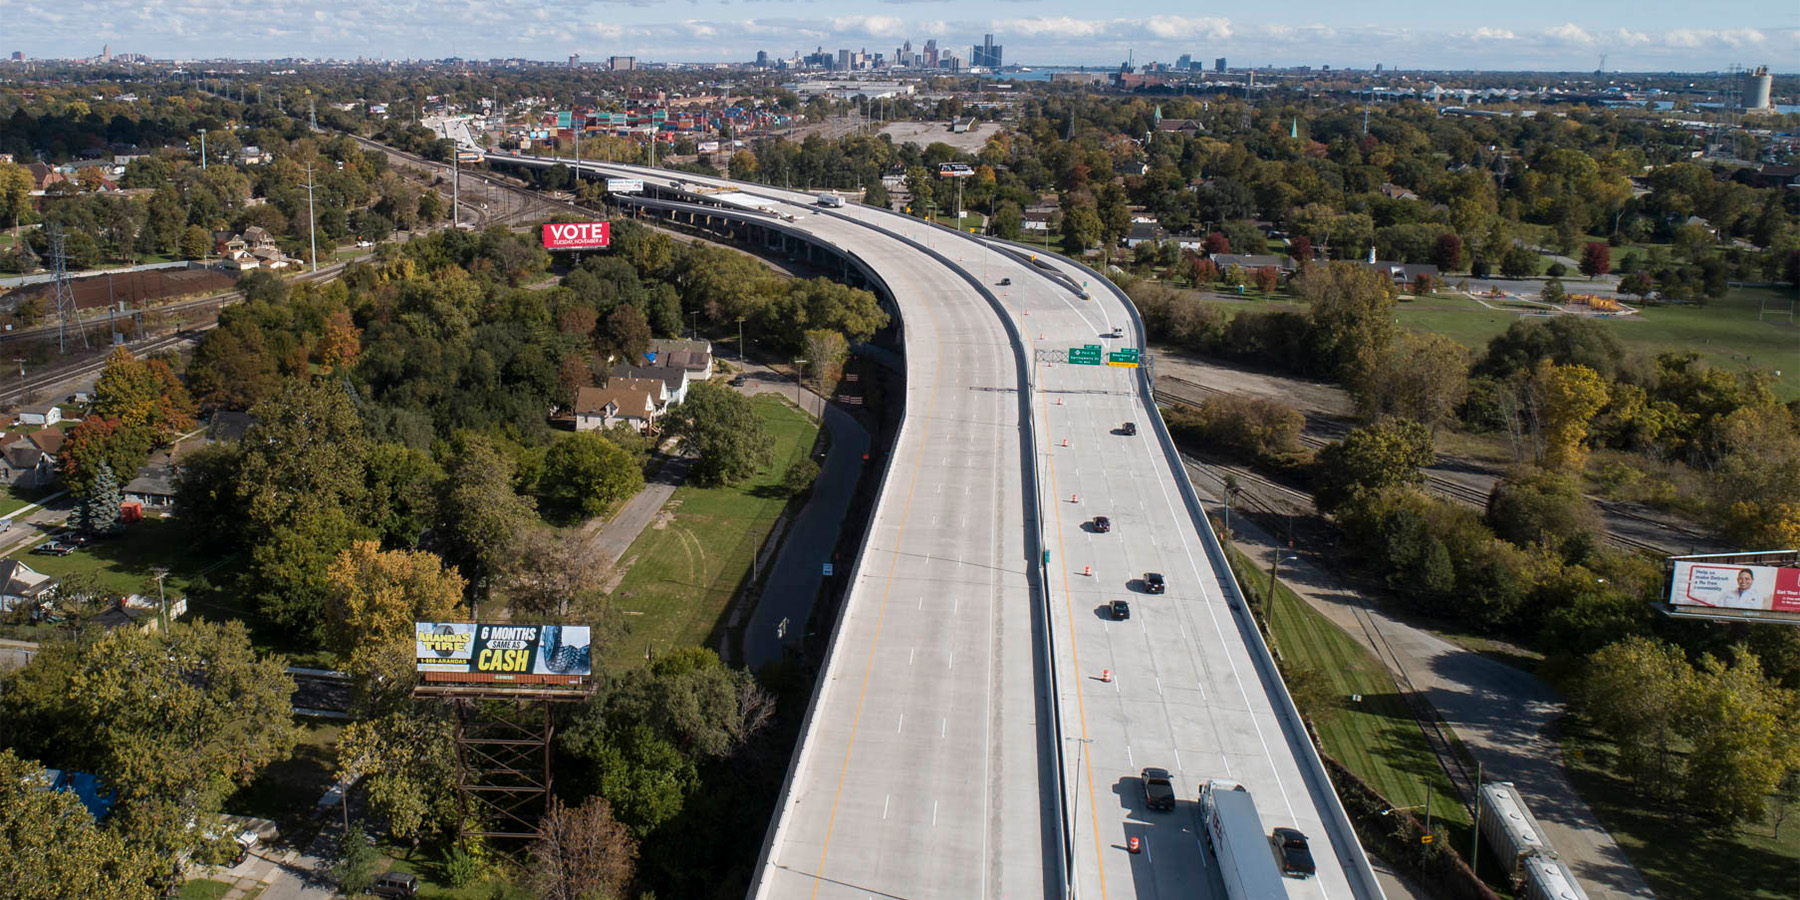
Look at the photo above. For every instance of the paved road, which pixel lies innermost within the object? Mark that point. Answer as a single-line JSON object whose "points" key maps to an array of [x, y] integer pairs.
{"points": [[941, 586], [1186, 691], [615, 535], [920, 775], [1501, 714], [794, 581]]}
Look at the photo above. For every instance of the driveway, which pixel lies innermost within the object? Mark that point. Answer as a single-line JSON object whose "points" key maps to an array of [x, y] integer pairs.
{"points": [[1503, 715]]}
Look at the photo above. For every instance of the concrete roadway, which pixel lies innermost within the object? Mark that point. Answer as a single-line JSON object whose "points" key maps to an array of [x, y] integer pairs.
{"points": [[920, 774], [880, 806]]}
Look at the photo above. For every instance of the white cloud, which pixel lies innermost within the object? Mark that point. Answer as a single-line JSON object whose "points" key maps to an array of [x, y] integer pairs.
{"points": [[1568, 33], [1053, 27], [872, 26], [1176, 28], [1484, 33]]}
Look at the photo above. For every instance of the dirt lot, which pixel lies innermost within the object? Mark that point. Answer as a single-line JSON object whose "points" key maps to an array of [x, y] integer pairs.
{"points": [[132, 288], [927, 133]]}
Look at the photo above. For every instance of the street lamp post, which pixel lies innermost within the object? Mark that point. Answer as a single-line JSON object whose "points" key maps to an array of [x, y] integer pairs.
{"points": [[799, 382], [1269, 613], [202, 149], [740, 339]]}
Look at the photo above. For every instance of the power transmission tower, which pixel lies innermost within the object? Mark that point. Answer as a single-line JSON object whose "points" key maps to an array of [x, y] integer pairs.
{"points": [[63, 291]]}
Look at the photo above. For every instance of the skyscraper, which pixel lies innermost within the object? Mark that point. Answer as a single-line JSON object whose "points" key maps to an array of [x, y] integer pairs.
{"points": [[1185, 62], [1219, 65], [762, 59], [931, 54], [988, 54]]}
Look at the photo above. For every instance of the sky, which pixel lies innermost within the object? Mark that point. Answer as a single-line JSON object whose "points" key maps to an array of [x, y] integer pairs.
{"points": [[1550, 35]]}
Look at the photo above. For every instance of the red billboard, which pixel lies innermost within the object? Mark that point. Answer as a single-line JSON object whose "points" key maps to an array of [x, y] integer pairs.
{"points": [[577, 235]]}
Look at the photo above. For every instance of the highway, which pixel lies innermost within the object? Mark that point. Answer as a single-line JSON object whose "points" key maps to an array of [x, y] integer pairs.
{"points": [[932, 763]]}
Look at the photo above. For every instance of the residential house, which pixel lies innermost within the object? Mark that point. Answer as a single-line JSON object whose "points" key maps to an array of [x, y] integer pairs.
{"points": [[1248, 261], [1131, 167], [605, 407], [254, 249], [1395, 192], [1041, 218], [23, 460], [253, 155], [40, 414], [226, 425], [154, 486], [655, 387], [694, 356], [675, 379], [43, 176], [21, 585], [1181, 126], [1142, 232]]}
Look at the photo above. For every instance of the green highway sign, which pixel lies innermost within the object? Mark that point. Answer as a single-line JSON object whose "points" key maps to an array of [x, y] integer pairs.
{"points": [[1088, 355], [1127, 357]]}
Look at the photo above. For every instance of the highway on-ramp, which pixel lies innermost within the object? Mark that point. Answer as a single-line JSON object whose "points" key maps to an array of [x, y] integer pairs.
{"points": [[932, 763]]}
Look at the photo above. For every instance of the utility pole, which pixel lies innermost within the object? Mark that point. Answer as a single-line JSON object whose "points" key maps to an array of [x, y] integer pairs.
{"points": [[312, 221], [21, 361], [202, 149], [162, 601], [456, 185]]}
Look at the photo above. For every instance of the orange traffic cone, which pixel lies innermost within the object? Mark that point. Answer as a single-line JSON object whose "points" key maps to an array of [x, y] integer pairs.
{"points": [[1059, 401], [1134, 845], [1087, 570], [1065, 442], [1074, 498], [1106, 675]]}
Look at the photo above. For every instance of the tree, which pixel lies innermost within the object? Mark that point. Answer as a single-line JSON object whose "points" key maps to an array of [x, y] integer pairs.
{"points": [[1596, 259], [1540, 507], [175, 723], [722, 427], [1633, 690], [1216, 242], [480, 516], [97, 513], [800, 476], [143, 394], [1351, 312], [196, 243], [627, 335], [1422, 377], [51, 848], [100, 443], [581, 853], [1553, 292], [341, 343], [1637, 284], [1447, 252], [354, 869], [1267, 279], [826, 351], [556, 576], [376, 596], [1390, 453], [406, 758], [1570, 398], [876, 194], [585, 473], [233, 367], [1741, 729], [1518, 262]]}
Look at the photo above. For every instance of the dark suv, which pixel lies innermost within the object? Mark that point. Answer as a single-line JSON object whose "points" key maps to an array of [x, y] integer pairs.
{"points": [[1129, 429], [1296, 857], [1153, 583], [1121, 610], [1159, 790], [1102, 524]]}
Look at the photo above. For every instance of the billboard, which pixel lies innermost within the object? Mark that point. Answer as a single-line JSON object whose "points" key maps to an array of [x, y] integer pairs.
{"points": [[471, 651], [624, 185], [1722, 585], [577, 235]]}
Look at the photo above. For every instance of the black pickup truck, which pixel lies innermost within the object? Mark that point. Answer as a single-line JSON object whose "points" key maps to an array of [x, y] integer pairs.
{"points": [[1159, 791]]}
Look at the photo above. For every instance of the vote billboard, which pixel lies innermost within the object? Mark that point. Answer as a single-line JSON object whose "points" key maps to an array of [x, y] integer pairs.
{"points": [[1718, 586], [577, 235], [472, 651]]}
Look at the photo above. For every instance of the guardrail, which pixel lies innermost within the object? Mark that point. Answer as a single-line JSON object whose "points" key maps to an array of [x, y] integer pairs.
{"points": [[1336, 821]]}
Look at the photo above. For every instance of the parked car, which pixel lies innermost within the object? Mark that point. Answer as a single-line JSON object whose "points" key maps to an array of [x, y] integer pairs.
{"points": [[1102, 524], [54, 548], [1121, 610], [395, 884], [737, 381], [1290, 848], [1153, 583], [1159, 790]]}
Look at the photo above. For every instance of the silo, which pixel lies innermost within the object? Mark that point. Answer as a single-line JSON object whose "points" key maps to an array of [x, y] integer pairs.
{"points": [[1757, 85]]}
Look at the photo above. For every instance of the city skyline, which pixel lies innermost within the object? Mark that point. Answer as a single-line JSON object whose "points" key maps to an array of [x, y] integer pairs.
{"points": [[1531, 35]]}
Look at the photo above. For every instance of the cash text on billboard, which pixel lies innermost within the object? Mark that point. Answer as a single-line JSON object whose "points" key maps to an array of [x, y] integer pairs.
{"points": [[477, 652]]}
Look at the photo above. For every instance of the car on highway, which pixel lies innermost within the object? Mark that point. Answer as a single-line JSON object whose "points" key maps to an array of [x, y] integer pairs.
{"points": [[55, 548], [1117, 332], [1159, 790], [1005, 282], [1121, 610], [1153, 583], [1129, 429], [1102, 524], [1291, 849]]}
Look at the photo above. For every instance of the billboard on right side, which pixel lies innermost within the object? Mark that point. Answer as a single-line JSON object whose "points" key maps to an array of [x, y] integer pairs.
{"points": [[1704, 586]]}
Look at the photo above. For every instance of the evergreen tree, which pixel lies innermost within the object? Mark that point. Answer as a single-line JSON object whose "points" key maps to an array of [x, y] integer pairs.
{"points": [[98, 511]]}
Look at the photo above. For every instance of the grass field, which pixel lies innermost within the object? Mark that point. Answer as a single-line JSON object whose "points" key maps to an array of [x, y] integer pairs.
{"points": [[204, 889], [1680, 861], [1376, 737], [686, 566], [496, 886], [126, 562], [1724, 332], [16, 498]]}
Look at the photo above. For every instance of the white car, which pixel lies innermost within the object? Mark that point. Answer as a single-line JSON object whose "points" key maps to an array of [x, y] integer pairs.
{"points": [[365, 244]]}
